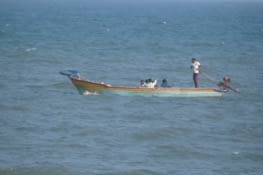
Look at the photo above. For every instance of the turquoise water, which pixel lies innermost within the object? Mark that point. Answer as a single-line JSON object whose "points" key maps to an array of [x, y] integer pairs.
{"points": [[46, 127]]}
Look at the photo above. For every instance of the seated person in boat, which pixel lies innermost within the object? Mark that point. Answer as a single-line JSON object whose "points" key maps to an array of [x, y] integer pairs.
{"points": [[224, 84], [165, 83], [149, 83]]}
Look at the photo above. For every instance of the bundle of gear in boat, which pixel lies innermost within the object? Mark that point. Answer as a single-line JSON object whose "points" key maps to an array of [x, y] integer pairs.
{"points": [[154, 83]]}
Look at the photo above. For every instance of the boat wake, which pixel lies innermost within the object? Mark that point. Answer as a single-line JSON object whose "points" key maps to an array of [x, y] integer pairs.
{"points": [[30, 49], [90, 93]]}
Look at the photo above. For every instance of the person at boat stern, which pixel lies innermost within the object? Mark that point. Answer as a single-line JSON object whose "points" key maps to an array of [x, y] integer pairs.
{"points": [[196, 67]]}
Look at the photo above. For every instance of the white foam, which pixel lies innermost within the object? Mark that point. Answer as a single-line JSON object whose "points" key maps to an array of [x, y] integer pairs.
{"points": [[31, 49], [90, 93], [236, 152]]}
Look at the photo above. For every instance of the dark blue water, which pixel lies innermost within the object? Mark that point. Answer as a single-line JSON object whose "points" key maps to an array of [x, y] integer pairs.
{"points": [[46, 127]]}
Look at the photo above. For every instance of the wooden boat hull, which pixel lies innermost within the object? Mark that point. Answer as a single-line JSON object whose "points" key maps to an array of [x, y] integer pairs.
{"points": [[89, 87]]}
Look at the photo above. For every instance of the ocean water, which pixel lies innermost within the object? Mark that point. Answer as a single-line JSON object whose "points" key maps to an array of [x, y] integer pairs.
{"points": [[46, 127]]}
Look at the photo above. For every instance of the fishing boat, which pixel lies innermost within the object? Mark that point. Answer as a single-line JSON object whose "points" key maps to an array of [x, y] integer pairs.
{"points": [[85, 86]]}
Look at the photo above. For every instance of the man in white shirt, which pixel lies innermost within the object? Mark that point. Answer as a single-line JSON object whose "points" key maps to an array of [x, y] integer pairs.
{"points": [[196, 66]]}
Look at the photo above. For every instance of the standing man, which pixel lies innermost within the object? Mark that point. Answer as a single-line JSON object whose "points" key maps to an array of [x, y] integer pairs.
{"points": [[196, 67]]}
